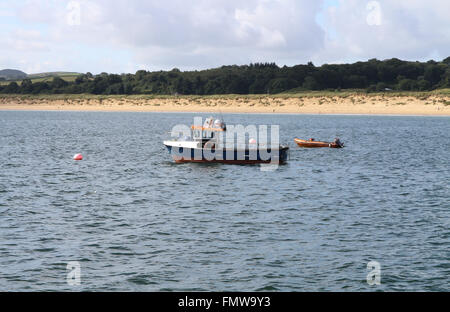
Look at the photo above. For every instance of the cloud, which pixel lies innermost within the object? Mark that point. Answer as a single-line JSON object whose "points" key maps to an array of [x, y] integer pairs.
{"points": [[409, 29], [195, 34], [119, 36], [26, 41]]}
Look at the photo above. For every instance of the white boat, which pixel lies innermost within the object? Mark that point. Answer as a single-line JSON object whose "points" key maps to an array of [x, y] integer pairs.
{"points": [[205, 145]]}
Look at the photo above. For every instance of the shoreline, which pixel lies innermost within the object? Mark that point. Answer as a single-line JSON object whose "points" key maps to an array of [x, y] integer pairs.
{"points": [[413, 104], [101, 110]]}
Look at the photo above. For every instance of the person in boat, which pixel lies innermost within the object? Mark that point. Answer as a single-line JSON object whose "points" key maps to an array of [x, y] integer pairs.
{"points": [[337, 142]]}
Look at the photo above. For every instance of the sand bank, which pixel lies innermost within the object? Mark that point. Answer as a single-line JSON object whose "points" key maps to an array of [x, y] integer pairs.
{"points": [[431, 104]]}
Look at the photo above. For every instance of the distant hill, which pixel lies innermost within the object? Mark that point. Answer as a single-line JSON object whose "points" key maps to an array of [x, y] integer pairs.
{"points": [[12, 74]]}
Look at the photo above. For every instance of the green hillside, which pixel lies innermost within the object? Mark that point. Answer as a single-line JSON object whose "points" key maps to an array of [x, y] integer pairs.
{"points": [[44, 77], [52, 74]]}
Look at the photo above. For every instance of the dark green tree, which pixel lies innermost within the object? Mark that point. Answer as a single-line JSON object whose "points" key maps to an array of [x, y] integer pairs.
{"points": [[310, 83], [26, 87], [58, 83], [433, 73], [13, 87]]}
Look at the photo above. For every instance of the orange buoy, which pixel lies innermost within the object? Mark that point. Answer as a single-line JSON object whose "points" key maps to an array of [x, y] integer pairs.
{"points": [[78, 157]]}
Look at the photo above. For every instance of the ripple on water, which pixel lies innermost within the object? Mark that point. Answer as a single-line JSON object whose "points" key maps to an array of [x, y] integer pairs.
{"points": [[141, 222]]}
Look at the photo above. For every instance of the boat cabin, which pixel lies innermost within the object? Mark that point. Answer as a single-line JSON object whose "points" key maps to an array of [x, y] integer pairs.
{"points": [[208, 131]]}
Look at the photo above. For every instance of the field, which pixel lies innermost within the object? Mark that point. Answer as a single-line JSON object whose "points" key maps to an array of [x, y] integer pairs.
{"points": [[45, 77]]}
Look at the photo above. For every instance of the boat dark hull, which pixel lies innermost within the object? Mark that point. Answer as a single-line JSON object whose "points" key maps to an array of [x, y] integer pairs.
{"points": [[241, 157]]}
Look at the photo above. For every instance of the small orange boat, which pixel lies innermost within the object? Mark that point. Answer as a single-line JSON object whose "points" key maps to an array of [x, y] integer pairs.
{"points": [[313, 143]]}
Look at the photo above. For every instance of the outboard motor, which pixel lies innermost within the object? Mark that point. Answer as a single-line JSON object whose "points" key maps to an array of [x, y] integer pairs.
{"points": [[338, 142]]}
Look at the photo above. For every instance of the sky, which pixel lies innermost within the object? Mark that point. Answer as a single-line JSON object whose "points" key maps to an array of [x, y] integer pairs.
{"points": [[123, 36]]}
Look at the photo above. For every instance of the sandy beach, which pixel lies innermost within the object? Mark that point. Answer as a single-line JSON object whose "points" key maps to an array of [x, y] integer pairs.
{"points": [[377, 104]]}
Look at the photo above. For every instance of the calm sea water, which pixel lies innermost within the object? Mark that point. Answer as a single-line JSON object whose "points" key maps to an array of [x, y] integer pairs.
{"points": [[135, 221]]}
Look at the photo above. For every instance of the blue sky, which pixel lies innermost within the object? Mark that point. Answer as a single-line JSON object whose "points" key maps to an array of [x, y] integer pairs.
{"points": [[124, 36]]}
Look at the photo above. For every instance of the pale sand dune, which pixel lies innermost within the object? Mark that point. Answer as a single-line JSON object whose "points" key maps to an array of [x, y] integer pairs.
{"points": [[438, 105]]}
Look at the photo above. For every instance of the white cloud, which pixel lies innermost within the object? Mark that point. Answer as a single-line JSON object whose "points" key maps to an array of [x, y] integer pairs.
{"points": [[195, 34], [251, 28], [409, 29], [119, 36]]}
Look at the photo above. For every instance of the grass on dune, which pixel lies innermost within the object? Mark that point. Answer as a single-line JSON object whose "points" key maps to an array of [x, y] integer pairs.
{"points": [[306, 94]]}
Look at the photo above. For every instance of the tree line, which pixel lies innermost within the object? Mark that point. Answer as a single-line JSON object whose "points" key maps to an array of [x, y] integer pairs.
{"points": [[258, 78]]}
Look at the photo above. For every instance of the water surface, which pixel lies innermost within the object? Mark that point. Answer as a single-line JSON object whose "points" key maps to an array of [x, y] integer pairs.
{"points": [[136, 221]]}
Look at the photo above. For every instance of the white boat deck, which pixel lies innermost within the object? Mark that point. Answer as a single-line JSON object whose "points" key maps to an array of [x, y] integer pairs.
{"points": [[184, 144]]}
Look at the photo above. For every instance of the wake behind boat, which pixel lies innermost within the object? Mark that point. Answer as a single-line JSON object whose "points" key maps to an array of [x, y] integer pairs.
{"points": [[206, 145]]}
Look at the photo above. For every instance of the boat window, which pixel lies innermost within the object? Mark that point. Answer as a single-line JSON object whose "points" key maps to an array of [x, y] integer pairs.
{"points": [[206, 134]]}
